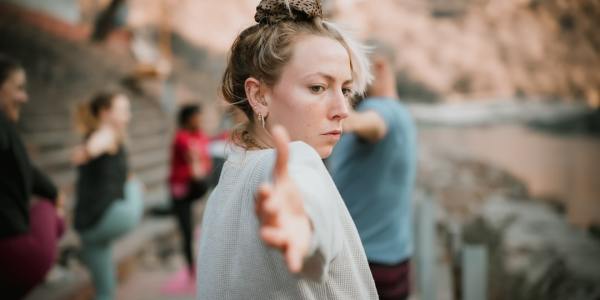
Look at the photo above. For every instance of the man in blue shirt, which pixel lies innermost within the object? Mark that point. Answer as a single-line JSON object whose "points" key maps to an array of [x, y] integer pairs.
{"points": [[374, 167]]}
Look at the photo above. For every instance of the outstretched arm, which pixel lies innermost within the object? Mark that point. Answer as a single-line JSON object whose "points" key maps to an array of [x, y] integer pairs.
{"points": [[368, 125], [284, 224]]}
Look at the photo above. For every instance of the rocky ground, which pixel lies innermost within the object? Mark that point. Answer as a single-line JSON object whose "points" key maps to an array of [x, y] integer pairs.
{"points": [[534, 253]]}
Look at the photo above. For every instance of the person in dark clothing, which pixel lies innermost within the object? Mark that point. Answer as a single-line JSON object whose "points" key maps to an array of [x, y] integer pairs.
{"points": [[29, 231], [190, 166], [108, 204]]}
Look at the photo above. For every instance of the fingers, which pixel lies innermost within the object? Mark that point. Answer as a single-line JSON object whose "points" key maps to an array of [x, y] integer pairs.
{"points": [[293, 259], [264, 194], [281, 140], [267, 207], [274, 237]]}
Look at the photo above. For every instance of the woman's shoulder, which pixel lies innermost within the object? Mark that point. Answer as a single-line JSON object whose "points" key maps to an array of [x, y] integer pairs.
{"points": [[302, 153], [250, 163], [302, 158], [102, 141]]}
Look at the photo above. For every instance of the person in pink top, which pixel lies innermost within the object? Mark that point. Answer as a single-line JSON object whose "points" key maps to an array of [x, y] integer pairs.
{"points": [[190, 169]]}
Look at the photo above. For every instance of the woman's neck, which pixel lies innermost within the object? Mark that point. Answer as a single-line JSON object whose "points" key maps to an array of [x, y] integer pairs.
{"points": [[259, 138], [119, 134]]}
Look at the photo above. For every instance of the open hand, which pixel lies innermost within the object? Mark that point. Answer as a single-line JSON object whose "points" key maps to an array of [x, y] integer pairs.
{"points": [[284, 224]]}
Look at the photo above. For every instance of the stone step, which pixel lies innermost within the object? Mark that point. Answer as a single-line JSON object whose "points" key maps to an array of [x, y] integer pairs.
{"points": [[43, 141], [148, 127], [65, 121], [154, 175], [54, 139], [141, 152], [156, 196], [150, 158], [38, 107], [147, 143]]}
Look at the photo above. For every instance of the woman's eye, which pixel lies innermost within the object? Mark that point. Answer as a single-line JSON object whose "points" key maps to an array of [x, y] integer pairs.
{"points": [[347, 92], [317, 89]]}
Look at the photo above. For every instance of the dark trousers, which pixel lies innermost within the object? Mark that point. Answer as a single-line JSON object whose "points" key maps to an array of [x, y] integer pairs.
{"points": [[392, 281], [182, 208], [25, 259]]}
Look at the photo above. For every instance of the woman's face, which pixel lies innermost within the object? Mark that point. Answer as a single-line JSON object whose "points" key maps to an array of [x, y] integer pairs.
{"points": [[310, 99], [13, 94], [119, 113]]}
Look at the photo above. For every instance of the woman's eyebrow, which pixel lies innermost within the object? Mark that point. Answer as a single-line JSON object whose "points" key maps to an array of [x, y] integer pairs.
{"points": [[327, 77]]}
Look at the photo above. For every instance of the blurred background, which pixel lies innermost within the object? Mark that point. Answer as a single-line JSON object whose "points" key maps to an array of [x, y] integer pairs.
{"points": [[505, 93]]}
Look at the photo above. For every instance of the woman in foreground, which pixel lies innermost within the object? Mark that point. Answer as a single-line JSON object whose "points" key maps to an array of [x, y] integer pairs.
{"points": [[276, 227]]}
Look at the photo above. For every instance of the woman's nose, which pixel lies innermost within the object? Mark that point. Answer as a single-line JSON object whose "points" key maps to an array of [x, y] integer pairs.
{"points": [[339, 106]]}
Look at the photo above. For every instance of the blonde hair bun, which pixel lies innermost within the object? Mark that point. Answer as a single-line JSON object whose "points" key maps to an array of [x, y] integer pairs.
{"points": [[275, 11]]}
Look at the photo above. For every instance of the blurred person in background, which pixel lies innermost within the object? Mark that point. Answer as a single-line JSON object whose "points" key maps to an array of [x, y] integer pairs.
{"points": [[189, 177], [275, 227], [374, 168], [109, 203], [29, 229]]}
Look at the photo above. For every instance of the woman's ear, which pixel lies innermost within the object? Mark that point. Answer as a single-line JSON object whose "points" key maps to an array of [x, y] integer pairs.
{"points": [[255, 91]]}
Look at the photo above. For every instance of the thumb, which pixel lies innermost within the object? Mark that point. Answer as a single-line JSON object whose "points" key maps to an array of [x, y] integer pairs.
{"points": [[281, 139], [293, 259]]}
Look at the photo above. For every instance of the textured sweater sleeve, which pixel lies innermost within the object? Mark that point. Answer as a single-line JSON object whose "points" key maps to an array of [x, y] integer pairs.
{"points": [[318, 192]]}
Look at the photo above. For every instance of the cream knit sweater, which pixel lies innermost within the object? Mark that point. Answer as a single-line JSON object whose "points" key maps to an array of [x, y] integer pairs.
{"points": [[234, 263]]}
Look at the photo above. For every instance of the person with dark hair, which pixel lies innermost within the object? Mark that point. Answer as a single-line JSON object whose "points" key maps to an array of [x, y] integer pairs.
{"points": [[190, 166], [108, 204], [29, 231]]}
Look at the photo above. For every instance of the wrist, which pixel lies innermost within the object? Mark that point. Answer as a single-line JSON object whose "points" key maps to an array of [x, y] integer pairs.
{"points": [[85, 151]]}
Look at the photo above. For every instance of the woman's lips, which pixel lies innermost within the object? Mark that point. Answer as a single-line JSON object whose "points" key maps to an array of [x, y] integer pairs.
{"points": [[333, 133]]}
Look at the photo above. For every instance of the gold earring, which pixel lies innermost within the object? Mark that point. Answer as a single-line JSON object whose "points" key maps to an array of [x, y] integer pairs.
{"points": [[262, 120]]}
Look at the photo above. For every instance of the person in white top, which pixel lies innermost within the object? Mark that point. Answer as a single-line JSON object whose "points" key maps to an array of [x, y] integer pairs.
{"points": [[275, 227]]}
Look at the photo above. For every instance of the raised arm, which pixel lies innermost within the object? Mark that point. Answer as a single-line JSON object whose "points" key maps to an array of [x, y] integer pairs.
{"points": [[368, 125], [101, 141]]}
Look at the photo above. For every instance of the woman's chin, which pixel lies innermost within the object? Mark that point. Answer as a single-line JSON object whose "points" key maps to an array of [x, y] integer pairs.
{"points": [[324, 151]]}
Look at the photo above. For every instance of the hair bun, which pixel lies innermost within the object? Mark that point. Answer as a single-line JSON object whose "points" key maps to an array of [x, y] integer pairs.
{"points": [[275, 11]]}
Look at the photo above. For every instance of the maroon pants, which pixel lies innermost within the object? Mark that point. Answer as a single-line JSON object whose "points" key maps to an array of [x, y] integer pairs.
{"points": [[25, 259], [392, 281]]}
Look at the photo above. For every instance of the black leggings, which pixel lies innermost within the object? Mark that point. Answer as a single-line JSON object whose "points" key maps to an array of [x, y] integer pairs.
{"points": [[182, 208]]}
